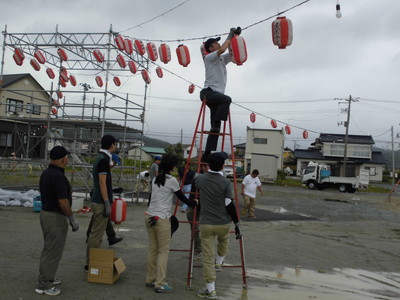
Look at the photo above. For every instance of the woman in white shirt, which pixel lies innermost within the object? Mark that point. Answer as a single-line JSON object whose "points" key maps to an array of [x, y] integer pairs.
{"points": [[157, 219]]}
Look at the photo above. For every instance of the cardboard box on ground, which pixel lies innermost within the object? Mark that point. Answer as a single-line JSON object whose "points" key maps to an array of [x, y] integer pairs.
{"points": [[104, 267]]}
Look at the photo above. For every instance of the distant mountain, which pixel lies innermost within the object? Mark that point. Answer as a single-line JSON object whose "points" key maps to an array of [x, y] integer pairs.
{"points": [[388, 155], [151, 142]]}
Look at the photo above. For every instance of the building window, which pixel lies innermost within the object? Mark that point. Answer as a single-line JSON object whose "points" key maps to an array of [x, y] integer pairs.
{"points": [[5, 139], [361, 151], [260, 141], [337, 150], [32, 108], [372, 170], [14, 106]]}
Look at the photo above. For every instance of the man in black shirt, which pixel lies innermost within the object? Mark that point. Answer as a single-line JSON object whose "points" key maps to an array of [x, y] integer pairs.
{"points": [[56, 197]]}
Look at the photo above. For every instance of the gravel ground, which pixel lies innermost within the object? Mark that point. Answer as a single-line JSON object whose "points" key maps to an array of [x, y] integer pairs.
{"points": [[303, 245]]}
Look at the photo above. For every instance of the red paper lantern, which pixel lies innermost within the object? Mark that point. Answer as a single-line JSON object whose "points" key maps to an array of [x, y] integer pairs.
{"points": [[99, 81], [128, 46], [191, 88], [54, 111], [183, 55], [288, 130], [35, 64], [159, 72], [305, 134], [117, 81], [72, 80], [146, 77], [63, 83], [62, 54], [118, 211], [165, 53], [59, 94], [19, 55], [238, 50], [50, 73], [55, 102], [252, 117], [39, 56], [274, 124], [152, 51], [132, 66], [282, 32], [64, 76], [18, 60], [64, 70], [98, 56], [121, 61], [139, 47], [119, 41]]}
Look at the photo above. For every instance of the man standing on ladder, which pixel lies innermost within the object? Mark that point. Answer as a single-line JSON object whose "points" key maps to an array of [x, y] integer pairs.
{"points": [[214, 86]]}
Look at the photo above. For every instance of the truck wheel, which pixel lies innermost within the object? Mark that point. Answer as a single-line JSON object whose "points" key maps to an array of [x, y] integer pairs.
{"points": [[342, 188], [311, 185], [351, 190]]}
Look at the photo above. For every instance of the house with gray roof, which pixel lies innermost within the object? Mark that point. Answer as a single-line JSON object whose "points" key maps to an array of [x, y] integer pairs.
{"points": [[329, 149]]}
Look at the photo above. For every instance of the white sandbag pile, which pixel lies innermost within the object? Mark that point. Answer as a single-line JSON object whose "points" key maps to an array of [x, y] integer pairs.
{"points": [[15, 198]]}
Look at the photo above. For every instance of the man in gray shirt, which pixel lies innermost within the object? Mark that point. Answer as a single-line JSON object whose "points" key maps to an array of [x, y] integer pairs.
{"points": [[214, 86], [217, 211]]}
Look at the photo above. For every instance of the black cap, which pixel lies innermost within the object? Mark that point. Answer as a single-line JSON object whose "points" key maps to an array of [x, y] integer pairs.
{"points": [[58, 152], [217, 160], [209, 42], [106, 141]]}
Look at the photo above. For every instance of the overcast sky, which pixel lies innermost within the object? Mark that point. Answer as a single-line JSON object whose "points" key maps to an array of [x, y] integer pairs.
{"points": [[357, 55]]}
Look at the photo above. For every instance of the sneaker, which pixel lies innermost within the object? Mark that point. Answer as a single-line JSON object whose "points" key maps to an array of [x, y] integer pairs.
{"points": [[206, 294], [50, 292], [218, 267], [114, 240], [164, 289], [57, 281], [253, 217], [150, 284]]}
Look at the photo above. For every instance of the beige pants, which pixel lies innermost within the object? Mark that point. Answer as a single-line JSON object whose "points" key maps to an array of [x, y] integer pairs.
{"points": [[98, 228], [208, 233], [157, 256], [249, 206]]}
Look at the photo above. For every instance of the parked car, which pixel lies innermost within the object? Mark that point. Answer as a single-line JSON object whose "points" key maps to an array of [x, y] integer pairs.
{"points": [[228, 171]]}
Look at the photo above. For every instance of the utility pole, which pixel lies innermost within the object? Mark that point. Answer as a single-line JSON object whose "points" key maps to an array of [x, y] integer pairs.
{"points": [[347, 124], [391, 129]]}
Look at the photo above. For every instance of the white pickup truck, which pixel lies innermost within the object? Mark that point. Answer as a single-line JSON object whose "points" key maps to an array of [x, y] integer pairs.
{"points": [[317, 176]]}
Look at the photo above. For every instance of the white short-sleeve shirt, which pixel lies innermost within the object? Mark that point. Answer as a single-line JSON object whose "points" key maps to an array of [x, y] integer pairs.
{"points": [[162, 197], [250, 185]]}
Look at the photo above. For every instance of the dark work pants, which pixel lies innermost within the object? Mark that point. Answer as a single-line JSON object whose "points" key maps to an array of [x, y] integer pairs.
{"points": [[219, 110], [55, 228]]}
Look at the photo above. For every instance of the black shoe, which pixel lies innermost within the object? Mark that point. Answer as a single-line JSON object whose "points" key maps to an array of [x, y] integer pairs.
{"points": [[86, 268], [114, 240]]}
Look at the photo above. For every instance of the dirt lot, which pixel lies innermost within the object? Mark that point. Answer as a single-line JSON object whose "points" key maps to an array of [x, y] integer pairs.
{"points": [[303, 245]]}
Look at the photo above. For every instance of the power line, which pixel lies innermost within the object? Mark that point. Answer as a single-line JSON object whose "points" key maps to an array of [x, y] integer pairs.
{"points": [[226, 33], [156, 17]]}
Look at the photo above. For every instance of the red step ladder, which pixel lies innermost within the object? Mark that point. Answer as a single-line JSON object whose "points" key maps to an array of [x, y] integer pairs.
{"points": [[199, 134]]}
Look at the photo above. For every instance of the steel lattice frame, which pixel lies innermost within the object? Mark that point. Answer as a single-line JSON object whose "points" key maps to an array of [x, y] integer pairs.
{"points": [[80, 47]]}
